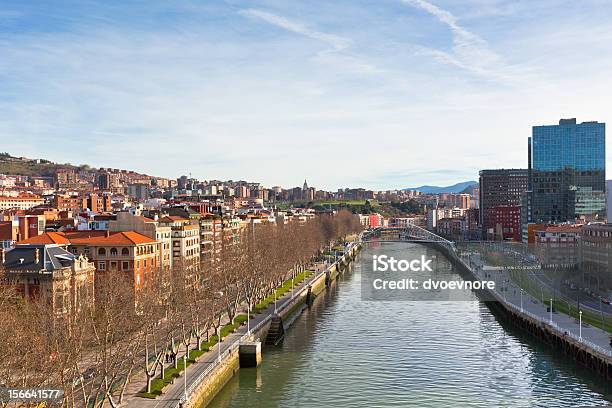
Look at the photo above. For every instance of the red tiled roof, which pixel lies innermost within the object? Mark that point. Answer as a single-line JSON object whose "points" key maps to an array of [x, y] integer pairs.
{"points": [[46, 239], [89, 238], [118, 238]]}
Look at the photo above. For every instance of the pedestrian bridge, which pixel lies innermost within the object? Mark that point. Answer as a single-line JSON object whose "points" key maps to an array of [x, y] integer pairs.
{"points": [[410, 233]]}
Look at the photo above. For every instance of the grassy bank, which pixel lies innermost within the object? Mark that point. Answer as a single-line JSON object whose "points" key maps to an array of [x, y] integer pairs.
{"points": [[286, 287], [171, 373]]}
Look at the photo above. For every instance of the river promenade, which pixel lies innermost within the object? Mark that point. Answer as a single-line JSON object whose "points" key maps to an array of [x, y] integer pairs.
{"points": [[521, 302], [185, 387]]}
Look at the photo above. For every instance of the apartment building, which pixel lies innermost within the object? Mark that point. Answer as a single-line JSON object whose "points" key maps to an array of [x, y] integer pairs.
{"points": [[132, 253], [97, 203], [185, 240], [21, 202], [126, 221]]}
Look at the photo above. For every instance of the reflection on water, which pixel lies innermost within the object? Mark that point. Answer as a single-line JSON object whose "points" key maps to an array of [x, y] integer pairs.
{"points": [[346, 352]]}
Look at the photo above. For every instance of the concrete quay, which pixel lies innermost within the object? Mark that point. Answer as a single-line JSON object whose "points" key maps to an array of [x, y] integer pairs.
{"points": [[206, 377]]}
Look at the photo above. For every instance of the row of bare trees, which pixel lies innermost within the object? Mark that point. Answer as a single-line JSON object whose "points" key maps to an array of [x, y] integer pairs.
{"points": [[119, 343]]}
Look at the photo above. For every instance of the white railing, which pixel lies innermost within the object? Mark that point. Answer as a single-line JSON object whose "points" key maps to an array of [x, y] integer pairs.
{"points": [[214, 364], [410, 233]]}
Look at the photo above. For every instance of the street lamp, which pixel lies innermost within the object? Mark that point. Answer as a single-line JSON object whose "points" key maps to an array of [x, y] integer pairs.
{"points": [[551, 307], [580, 325], [185, 374], [505, 284]]}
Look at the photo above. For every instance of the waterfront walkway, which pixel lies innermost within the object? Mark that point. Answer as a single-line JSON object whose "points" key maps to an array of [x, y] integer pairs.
{"points": [[521, 301], [174, 393]]}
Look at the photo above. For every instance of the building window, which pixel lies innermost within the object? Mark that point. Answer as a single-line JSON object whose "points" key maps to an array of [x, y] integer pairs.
{"points": [[102, 251], [113, 251], [126, 266], [125, 251], [101, 266]]}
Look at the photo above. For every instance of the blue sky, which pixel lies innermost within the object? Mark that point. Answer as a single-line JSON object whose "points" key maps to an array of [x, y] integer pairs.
{"points": [[378, 94]]}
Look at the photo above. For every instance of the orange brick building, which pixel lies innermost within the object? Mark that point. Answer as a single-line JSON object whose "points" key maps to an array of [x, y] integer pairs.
{"points": [[131, 253]]}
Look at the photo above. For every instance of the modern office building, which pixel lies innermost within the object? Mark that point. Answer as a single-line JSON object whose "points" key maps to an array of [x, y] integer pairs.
{"points": [[567, 172], [499, 190]]}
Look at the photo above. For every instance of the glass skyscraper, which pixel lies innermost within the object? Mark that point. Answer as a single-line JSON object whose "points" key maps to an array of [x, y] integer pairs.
{"points": [[567, 172]]}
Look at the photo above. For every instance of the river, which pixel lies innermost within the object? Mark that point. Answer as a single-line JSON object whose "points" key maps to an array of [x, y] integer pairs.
{"points": [[347, 352]]}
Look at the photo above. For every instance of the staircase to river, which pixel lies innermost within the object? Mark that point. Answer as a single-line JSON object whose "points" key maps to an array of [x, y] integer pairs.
{"points": [[276, 333]]}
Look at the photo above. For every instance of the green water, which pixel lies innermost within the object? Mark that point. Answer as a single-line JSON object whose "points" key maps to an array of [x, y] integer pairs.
{"points": [[345, 352]]}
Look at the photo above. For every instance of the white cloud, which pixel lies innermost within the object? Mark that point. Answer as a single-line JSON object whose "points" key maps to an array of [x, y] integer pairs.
{"points": [[470, 51], [337, 56], [337, 42]]}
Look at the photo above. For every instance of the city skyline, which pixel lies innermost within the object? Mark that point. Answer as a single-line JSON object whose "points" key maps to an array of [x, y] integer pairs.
{"points": [[230, 89], [253, 203]]}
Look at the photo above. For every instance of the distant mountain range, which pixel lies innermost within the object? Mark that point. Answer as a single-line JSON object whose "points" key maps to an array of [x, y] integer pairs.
{"points": [[464, 187]]}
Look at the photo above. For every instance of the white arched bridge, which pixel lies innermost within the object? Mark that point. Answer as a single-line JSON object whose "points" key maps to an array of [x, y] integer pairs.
{"points": [[410, 233]]}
